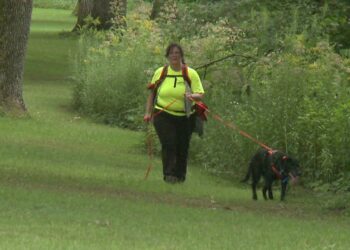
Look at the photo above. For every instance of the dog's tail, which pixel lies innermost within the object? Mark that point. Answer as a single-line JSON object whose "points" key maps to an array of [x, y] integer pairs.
{"points": [[247, 176]]}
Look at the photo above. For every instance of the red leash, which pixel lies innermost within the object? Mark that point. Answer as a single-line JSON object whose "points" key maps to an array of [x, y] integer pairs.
{"points": [[215, 116], [232, 126], [149, 142], [241, 132], [166, 107]]}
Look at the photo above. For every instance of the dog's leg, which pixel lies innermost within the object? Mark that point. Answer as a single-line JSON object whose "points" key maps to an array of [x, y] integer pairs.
{"points": [[270, 180], [264, 192], [265, 188], [256, 178], [254, 184], [270, 192], [256, 174], [283, 189], [268, 188]]}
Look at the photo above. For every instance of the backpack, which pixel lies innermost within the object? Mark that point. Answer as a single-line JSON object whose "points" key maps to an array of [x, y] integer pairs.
{"points": [[200, 108], [155, 86]]}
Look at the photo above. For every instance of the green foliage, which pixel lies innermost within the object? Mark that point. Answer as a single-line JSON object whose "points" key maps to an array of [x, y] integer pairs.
{"points": [[289, 87], [299, 102], [112, 71]]}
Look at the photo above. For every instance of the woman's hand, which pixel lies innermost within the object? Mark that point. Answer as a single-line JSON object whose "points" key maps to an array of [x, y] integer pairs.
{"points": [[194, 96], [147, 118]]}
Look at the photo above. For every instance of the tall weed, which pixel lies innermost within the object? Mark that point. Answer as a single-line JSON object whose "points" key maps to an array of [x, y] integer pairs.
{"points": [[112, 70], [300, 93]]}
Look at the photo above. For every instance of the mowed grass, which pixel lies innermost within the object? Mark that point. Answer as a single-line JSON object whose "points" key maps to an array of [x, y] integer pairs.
{"points": [[67, 183], [57, 4]]}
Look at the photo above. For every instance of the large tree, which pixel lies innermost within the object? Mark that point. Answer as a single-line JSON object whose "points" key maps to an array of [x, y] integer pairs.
{"points": [[83, 9], [108, 12], [156, 8], [15, 17]]}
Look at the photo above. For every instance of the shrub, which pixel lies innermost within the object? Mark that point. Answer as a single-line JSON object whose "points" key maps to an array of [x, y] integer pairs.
{"points": [[300, 94], [112, 70]]}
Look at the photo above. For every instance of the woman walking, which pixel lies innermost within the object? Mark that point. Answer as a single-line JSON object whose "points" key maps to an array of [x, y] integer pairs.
{"points": [[174, 88]]}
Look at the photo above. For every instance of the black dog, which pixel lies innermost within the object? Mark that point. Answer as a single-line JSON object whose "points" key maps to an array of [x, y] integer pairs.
{"points": [[271, 165]]}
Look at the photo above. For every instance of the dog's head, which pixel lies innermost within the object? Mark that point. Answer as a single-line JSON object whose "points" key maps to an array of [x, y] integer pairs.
{"points": [[291, 167]]}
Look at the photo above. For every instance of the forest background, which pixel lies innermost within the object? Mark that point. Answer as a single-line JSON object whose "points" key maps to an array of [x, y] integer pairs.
{"points": [[286, 79]]}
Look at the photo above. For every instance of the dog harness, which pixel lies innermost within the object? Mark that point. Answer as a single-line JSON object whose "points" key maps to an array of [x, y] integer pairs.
{"points": [[279, 174]]}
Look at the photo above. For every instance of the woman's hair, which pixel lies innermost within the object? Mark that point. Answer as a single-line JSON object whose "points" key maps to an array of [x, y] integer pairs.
{"points": [[175, 45]]}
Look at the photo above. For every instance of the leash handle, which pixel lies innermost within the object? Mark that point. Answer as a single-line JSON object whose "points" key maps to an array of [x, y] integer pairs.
{"points": [[149, 142]]}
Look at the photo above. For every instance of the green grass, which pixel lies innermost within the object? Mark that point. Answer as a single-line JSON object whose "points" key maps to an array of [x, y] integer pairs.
{"points": [[57, 4], [57, 219], [68, 183]]}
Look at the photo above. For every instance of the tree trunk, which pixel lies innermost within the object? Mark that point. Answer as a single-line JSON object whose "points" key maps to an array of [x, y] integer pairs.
{"points": [[109, 13], [157, 6], [102, 11], [15, 17], [83, 10]]}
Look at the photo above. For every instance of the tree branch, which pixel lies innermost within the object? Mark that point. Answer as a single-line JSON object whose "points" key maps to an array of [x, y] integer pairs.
{"points": [[222, 59]]}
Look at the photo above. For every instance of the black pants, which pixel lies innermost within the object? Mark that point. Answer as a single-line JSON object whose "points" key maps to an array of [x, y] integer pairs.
{"points": [[174, 133]]}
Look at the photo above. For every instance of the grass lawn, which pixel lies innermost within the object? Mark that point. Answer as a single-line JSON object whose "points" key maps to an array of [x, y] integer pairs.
{"points": [[68, 183]]}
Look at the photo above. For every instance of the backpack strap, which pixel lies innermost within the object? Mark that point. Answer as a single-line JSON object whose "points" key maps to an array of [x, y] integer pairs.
{"points": [[156, 84], [188, 103], [162, 75], [185, 74]]}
